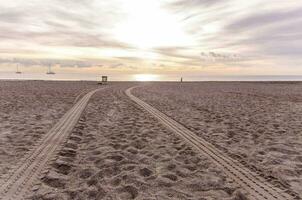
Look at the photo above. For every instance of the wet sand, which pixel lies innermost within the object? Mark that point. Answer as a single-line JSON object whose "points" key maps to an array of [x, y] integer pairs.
{"points": [[258, 124]]}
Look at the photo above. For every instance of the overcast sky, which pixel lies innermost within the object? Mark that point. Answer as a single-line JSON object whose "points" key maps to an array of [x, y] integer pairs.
{"points": [[154, 36]]}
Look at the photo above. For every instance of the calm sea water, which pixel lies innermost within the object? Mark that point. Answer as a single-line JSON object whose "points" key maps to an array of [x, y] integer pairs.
{"points": [[57, 76], [129, 77]]}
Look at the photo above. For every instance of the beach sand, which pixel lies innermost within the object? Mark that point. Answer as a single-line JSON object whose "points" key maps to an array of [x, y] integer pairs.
{"points": [[258, 124], [119, 151], [28, 109]]}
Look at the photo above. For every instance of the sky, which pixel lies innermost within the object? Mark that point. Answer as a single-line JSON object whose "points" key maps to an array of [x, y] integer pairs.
{"points": [[152, 37]]}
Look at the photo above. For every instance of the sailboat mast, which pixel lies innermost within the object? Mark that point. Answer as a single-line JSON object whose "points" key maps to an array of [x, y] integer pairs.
{"points": [[49, 70], [18, 72]]}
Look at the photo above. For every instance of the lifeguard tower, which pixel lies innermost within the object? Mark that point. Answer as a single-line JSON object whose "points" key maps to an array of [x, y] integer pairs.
{"points": [[104, 80]]}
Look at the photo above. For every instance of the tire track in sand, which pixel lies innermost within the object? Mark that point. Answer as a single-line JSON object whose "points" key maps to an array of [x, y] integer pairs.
{"points": [[16, 185], [257, 187]]}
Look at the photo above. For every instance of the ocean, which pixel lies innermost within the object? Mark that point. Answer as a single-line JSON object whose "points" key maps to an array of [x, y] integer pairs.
{"points": [[132, 77]]}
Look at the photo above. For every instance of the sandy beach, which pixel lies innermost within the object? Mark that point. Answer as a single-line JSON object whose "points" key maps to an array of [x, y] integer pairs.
{"points": [[117, 150], [256, 123], [151, 100], [28, 110]]}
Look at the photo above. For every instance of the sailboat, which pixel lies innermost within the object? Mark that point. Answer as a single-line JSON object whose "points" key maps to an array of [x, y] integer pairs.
{"points": [[49, 70], [18, 72]]}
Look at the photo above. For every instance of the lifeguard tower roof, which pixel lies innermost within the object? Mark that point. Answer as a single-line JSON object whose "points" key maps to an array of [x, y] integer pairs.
{"points": [[104, 80]]}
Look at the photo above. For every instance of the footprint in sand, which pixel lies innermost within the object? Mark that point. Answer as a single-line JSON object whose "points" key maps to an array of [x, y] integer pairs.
{"points": [[127, 192]]}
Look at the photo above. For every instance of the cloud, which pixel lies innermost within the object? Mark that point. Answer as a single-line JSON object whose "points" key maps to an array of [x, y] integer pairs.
{"points": [[174, 52], [116, 65], [59, 23], [257, 20], [270, 33], [46, 62], [84, 33], [12, 16], [221, 57], [180, 4]]}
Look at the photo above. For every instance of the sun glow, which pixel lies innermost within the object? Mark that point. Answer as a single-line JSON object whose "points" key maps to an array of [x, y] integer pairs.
{"points": [[147, 25], [146, 77]]}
